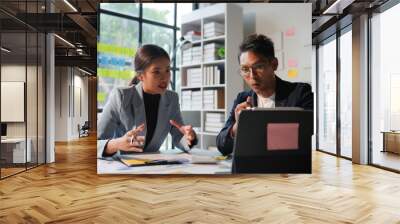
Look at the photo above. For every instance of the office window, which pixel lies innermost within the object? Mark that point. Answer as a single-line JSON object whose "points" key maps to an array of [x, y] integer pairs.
{"points": [[119, 39], [163, 37], [159, 12], [327, 96], [385, 88], [346, 94], [121, 8], [120, 36], [182, 9]]}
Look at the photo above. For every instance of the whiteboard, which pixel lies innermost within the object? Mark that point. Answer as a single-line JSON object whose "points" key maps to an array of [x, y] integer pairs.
{"points": [[12, 101]]}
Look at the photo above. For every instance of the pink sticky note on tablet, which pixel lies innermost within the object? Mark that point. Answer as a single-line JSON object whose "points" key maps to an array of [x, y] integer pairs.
{"points": [[282, 136]]}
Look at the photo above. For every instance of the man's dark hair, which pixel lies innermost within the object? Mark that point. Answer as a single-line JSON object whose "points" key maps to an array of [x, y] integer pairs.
{"points": [[259, 44]]}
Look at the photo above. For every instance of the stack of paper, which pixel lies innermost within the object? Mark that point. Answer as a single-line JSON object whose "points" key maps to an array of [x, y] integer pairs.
{"points": [[213, 29], [196, 100], [194, 77], [210, 51], [186, 100], [213, 99], [193, 35], [191, 55], [191, 100], [214, 122]]}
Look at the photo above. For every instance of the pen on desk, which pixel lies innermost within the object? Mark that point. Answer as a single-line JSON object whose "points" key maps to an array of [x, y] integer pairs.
{"points": [[184, 150]]}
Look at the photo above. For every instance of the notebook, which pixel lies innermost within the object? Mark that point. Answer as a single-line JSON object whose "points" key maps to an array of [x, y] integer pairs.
{"points": [[151, 162]]}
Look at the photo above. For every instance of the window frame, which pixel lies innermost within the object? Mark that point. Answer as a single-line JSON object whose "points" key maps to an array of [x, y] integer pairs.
{"points": [[379, 10], [334, 37], [142, 21]]}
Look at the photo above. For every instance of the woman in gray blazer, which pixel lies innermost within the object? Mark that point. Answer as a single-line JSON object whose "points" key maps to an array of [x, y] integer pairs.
{"points": [[146, 106]]}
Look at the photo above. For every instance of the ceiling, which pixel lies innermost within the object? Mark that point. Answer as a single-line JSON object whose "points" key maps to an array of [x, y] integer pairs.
{"points": [[77, 22]]}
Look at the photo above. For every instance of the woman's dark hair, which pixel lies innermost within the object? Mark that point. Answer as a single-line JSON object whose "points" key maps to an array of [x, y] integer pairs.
{"points": [[259, 44], [145, 55]]}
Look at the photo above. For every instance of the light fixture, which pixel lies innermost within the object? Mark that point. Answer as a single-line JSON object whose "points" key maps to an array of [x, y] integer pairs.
{"points": [[70, 5], [182, 44], [5, 50], [64, 40], [84, 71]]}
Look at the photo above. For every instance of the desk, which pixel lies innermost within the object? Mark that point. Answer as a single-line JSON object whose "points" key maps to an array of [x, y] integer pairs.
{"points": [[110, 166], [13, 150], [391, 141]]}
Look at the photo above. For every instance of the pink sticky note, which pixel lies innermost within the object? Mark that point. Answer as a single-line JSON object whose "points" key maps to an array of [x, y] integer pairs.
{"points": [[290, 32], [292, 62], [282, 136]]}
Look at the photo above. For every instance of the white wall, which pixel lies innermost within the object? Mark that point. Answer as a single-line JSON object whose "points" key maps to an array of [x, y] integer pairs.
{"points": [[61, 103], [16, 73], [81, 104], [279, 21], [71, 94], [33, 126]]}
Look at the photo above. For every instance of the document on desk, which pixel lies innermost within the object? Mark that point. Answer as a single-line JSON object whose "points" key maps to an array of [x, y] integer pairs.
{"points": [[162, 159], [203, 164], [157, 156], [151, 160]]}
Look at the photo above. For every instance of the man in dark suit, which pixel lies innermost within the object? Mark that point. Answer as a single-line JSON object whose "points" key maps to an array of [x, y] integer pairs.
{"points": [[257, 67]]}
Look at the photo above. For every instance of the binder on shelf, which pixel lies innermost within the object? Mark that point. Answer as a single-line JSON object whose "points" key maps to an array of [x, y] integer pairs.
{"points": [[213, 99], [213, 75]]}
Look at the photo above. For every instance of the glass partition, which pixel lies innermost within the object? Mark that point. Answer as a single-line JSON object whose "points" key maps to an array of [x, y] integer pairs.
{"points": [[385, 89], [346, 94], [13, 103], [22, 76], [327, 96]]}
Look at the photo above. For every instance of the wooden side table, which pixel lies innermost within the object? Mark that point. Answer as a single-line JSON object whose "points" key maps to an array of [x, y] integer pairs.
{"points": [[391, 141]]}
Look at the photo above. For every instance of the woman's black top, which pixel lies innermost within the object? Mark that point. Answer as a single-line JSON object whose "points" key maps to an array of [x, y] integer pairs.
{"points": [[151, 102]]}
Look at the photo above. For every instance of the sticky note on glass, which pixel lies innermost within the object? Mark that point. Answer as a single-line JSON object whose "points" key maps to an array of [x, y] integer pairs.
{"points": [[293, 73], [292, 62], [282, 136], [290, 32]]}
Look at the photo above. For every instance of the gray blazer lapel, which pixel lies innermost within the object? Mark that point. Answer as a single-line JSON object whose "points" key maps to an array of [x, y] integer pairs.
{"points": [[138, 106]]}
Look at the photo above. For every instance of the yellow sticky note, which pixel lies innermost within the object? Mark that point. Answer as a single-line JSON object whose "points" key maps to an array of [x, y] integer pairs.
{"points": [[132, 162], [293, 73], [221, 157]]}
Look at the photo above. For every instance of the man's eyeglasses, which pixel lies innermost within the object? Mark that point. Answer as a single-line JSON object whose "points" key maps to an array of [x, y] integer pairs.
{"points": [[255, 69]]}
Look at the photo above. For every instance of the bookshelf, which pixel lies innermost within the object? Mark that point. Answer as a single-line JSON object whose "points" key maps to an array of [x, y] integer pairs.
{"points": [[210, 83]]}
